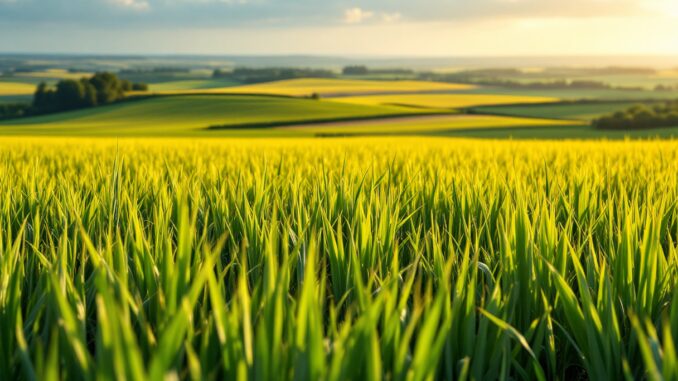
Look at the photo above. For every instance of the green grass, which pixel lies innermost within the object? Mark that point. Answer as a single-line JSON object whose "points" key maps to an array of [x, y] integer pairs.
{"points": [[16, 98], [190, 115], [443, 101], [425, 125], [196, 84], [326, 87], [581, 94], [581, 132], [581, 111], [399, 259]]}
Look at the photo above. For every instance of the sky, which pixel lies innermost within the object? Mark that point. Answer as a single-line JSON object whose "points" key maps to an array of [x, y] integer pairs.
{"points": [[341, 27]]}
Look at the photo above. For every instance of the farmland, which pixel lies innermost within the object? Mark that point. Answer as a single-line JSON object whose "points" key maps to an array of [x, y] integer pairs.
{"points": [[186, 115], [333, 87], [417, 125], [446, 101], [580, 111], [16, 88], [337, 259], [335, 228]]}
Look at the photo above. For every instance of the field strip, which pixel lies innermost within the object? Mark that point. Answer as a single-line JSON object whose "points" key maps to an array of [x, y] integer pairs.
{"points": [[16, 88], [426, 124], [348, 121], [447, 100], [341, 87]]}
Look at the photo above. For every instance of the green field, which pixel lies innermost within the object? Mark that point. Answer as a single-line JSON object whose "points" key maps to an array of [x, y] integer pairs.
{"points": [[16, 98], [426, 125], [334, 87], [573, 132], [444, 101], [191, 115], [195, 84], [404, 259], [581, 111], [580, 94]]}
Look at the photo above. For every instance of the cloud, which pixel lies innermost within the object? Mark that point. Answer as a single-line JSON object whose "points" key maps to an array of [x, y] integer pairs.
{"points": [[357, 15], [137, 5], [257, 14]]}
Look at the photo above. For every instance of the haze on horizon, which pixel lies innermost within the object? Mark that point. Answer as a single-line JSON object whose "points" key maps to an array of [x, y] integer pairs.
{"points": [[339, 27]]}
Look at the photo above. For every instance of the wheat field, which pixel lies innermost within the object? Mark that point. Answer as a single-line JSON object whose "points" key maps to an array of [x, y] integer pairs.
{"points": [[331, 259]]}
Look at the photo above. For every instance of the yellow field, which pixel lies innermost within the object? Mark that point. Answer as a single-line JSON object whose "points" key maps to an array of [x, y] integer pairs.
{"points": [[447, 101], [16, 88], [54, 74], [667, 74], [337, 259], [426, 124], [329, 87]]}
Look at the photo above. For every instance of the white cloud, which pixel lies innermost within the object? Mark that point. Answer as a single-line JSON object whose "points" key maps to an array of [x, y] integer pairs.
{"points": [[137, 5], [357, 15]]}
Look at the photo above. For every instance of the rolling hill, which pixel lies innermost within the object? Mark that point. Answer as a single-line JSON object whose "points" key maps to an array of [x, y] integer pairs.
{"points": [[189, 114]]}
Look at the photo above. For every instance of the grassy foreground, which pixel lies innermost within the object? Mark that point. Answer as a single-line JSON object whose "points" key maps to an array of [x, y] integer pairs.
{"points": [[400, 259]]}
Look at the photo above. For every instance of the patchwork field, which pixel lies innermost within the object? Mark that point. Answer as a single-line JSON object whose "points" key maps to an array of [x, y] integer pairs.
{"points": [[189, 114], [426, 125], [581, 94], [337, 259], [581, 111], [16, 88], [53, 74], [334, 87], [195, 84], [444, 101]]}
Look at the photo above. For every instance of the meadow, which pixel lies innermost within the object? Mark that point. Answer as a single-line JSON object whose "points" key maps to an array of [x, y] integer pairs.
{"points": [[16, 88], [192, 115], [333, 259], [571, 111], [332, 87], [423, 125], [446, 101]]}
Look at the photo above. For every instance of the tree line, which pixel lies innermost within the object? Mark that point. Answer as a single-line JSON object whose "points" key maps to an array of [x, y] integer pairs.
{"points": [[100, 89], [68, 94], [357, 70], [260, 75], [641, 117]]}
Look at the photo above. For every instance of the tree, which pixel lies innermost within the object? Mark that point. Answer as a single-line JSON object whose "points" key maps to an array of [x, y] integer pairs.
{"points": [[108, 87], [355, 70], [100, 89], [70, 94], [43, 98]]}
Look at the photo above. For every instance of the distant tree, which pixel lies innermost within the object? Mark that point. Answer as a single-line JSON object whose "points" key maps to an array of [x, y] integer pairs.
{"points": [[100, 89], [44, 98], [355, 70], [219, 73], [108, 86], [125, 85], [13, 110], [90, 93], [641, 117], [70, 94], [139, 87]]}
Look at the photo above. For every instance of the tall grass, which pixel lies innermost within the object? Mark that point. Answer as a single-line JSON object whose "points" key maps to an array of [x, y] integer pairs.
{"points": [[337, 259]]}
